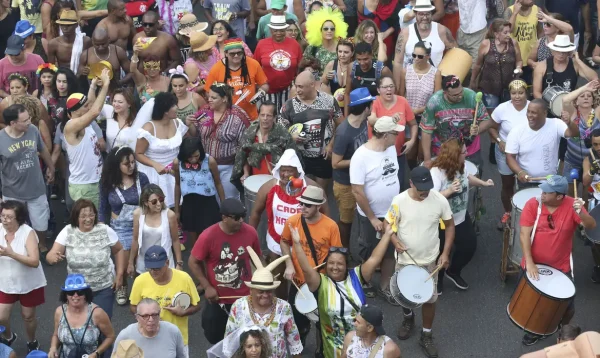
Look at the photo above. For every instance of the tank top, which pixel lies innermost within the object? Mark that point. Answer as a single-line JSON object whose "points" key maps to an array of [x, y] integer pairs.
{"points": [[156, 236], [187, 110], [497, 69], [437, 45], [576, 149], [197, 180], [334, 84], [38, 49], [17, 278], [356, 349], [85, 160], [418, 90], [595, 179], [566, 79], [366, 79], [525, 31], [543, 50], [90, 340], [280, 206]]}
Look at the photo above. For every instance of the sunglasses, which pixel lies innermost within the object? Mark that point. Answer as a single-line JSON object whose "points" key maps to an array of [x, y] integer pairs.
{"points": [[78, 292], [329, 29], [148, 24], [550, 221], [235, 54], [308, 206], [420, 57], [341, 250], [547, 24], [155, 201], [236, 217]]}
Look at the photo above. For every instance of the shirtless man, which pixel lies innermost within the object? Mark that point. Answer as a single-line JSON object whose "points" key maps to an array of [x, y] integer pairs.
{"points": [[60, 48], [118, 25], [102, 50], [164, 48]]}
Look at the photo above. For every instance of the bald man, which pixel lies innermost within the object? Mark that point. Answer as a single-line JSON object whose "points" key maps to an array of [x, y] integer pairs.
{"points": [[118, 25], [164, 48], [103, 50], [317, 111]]}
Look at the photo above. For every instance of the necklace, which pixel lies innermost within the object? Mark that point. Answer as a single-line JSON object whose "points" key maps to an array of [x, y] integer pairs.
{"points": [[102, 59], [253, 313]]}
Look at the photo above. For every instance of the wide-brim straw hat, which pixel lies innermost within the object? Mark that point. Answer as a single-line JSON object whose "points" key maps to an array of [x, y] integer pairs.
{"points": [[127, 348], [189, 23], [562, 43], [262, 278], [200, 41]]}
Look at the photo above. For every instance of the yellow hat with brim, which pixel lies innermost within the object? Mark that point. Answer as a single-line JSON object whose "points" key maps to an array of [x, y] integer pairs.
{"points": [[96, 69]]}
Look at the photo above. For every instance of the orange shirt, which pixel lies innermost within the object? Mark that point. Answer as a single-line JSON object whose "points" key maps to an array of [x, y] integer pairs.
{"points": [[325, 233], [257, 78], [401, 108]]}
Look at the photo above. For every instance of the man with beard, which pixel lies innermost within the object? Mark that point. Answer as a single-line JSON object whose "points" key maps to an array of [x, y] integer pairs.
{"points": [[103, 50], [424, 29], [451, 114], [415, 215], [164, 47], [118, 25], [65, 50]]}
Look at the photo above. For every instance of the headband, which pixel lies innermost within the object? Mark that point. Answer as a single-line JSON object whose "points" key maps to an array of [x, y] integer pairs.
{"points": [[52, 67], [16, 75], [517, 84], [178, 71]]}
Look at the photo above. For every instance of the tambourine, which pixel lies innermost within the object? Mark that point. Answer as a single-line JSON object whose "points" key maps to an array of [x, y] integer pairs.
{"points": [[96, 70], [182, 300]]}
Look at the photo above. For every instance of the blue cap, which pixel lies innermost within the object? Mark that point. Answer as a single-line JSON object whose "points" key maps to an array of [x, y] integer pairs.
{"points": [[75, 282], [359, 96], [24, 29], [155, 257], [555, 184], [37, 354]]}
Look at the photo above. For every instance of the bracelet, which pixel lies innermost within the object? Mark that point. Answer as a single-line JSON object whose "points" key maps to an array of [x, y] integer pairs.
{"points": [[519, 173], [498, 140], [135, 59], [180, 263]]}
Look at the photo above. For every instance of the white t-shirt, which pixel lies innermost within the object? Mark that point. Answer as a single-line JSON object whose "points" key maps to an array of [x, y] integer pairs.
{"points": [[416, 223], [508, 117], [378, 173], [401, 14], [472, 15], [458, 201], [537, 150]]}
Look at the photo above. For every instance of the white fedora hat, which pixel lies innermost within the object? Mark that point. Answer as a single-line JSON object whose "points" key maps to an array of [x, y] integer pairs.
{"points": [[423, 5], [262, 278], [312, 195], [278, 22], [562, 43]]}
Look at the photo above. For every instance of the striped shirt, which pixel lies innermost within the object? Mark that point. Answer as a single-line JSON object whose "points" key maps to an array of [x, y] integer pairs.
{"points": [[222, 140]]}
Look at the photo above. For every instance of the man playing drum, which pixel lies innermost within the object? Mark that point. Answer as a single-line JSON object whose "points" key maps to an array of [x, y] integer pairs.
{"points": [[531, 148], [555, 217], [279, 197], [415, 215]]}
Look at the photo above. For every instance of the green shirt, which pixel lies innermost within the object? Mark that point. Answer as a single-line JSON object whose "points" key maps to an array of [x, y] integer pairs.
{"points": [[264, 30]]}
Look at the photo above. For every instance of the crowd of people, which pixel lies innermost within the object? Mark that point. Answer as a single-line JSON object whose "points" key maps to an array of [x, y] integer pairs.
{"points": [[152, 129]]}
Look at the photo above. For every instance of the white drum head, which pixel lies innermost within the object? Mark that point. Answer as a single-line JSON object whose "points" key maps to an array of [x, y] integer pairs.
{"points": [[412, 285], [553, 283], [522, 196], [182, 300], [305, 304], [254, 182], [470, 168], [557, 103]]}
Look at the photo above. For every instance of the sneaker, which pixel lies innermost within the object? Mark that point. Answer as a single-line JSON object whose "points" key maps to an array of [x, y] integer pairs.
{"points": [[426, 343], [440, 285], [531, 339], [457, 280], [596, 274], [504, 221], [369, 290], [33, 346], [388, 296], [405, 331], [10, 341], [122, 296]]}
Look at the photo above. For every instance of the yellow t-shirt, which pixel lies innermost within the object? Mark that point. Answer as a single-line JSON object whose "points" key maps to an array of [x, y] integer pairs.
{"points": [[525, 32], [145, 287], [30, 11]]}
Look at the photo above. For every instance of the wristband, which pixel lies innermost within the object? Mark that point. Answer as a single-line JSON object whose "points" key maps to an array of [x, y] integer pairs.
{"points": [[498, 140]]}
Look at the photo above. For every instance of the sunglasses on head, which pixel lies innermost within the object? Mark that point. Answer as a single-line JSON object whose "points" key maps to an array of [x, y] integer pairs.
{"points": [[420, 57], [155, 201], [78, 292], [341, 250]]}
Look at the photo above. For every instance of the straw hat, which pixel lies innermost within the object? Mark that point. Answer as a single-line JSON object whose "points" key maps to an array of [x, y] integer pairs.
{"points": [[262, 278], [423, 6], [189, 23], [128, 349], [68, 17], [199, 41], [562, 43], [312, 195]]}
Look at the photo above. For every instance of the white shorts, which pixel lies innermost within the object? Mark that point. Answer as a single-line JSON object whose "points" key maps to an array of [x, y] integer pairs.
{"points": [[186, 351], [39, 211]]}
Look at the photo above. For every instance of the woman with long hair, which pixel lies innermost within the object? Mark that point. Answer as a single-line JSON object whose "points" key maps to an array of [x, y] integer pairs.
{"points": [[46, 75], [158, 144], [336, 72], [254, 343], [65, 84], [294, 31], [553, 24], [187, 102], [384, 14], [151, 82], [243, 74], [323, 29], [507, 116], [120, 130], [120, 190], [201, 59], [153, 224], [221, 131], [451, 180], [368, 32], [224, 31]]}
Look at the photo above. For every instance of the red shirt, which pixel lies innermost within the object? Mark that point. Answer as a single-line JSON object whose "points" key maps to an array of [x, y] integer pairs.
{"points": [[279, 61], [137, 9], [227, 259], [402, 108], [552, 247]]}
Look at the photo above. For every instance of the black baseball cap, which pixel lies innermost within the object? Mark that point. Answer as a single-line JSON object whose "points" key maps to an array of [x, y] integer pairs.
{"points": [[14, 45], [374, 316], [233, 207], [421, 178]]}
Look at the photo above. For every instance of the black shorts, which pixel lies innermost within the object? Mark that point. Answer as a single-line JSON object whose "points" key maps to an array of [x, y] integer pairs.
{"points": [[318, 167]]}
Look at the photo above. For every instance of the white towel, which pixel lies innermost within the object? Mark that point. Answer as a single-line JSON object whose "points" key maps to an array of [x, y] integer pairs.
{"points": [[77, 49]]}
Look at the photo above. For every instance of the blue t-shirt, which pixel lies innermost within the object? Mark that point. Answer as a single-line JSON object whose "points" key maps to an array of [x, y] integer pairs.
{"points": [[5, 351]]}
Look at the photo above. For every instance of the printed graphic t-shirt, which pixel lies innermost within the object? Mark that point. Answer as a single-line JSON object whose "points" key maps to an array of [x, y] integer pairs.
{"points": [[227, 259], [525, 31], [32, 61], [222, 10], [30, 11], [279, 61], [21, 172]]}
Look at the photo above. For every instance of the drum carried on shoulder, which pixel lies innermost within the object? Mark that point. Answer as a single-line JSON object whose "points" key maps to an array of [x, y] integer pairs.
{"points": [[410, 286]]}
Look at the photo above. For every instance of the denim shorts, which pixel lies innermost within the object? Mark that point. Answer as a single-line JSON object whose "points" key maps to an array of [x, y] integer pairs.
{"points": [[503, 168]]}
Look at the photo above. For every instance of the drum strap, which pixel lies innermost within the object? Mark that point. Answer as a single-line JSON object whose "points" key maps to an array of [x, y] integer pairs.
{"points": [[421, 40], [377, 346], [549, 70], [309, 240]]}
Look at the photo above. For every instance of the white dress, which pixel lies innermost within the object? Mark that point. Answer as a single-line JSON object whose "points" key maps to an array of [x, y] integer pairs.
{"points": [[162, 151]]}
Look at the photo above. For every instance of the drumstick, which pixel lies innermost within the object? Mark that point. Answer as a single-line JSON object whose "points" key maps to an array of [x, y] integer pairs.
{"points": [[242, 97], [298, 288], [411, 258], [319, 266], [434, 272], [231, 297], [478, 97]]}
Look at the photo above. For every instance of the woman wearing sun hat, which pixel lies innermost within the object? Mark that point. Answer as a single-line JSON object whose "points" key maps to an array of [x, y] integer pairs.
{"points": [[187, 25], [279, 57], [200, 59]]}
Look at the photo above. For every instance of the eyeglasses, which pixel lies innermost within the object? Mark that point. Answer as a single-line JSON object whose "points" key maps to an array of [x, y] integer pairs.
{"points": [[420, 57], [341, 250], [155, 201], [550, 221], [236, 217], [392, 86], [292, 30], [148, 24], [235, 54], [78, 292], [7, 217], [308, 206], [146, 317], [90, 216], [328, 29]]}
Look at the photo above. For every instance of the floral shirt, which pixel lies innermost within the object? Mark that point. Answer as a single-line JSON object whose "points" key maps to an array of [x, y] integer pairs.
{"points": [[321, 54], [281, 329]]}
